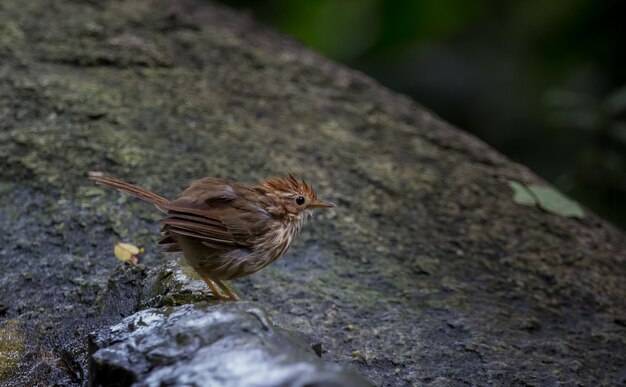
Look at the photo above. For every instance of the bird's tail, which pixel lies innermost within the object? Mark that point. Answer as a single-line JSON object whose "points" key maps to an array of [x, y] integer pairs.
{"points": [[130, 189]]}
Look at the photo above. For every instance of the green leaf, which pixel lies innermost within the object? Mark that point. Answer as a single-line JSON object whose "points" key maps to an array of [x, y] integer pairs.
{"points": [[553, 201], [521, 194], [547, 198]]}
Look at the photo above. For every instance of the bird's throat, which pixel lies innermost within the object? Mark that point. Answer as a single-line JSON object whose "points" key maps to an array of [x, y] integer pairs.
{"points": [[277, 241]]}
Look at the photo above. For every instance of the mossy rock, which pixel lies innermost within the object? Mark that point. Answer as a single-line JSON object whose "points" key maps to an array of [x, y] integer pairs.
{"points": [[426, 272]]}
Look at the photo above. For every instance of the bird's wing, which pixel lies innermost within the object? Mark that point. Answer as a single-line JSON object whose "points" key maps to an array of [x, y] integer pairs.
{"points": [[222, 214]]}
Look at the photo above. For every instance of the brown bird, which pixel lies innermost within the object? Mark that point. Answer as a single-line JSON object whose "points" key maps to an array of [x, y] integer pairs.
{"points": [[227, 229]]}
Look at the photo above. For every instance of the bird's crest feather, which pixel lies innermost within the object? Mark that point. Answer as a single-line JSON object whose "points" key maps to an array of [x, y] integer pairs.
{"points": [[289, 184]]}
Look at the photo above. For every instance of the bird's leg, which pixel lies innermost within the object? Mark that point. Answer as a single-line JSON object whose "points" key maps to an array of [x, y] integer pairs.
{"points": [[226, 290], [209, 282]]}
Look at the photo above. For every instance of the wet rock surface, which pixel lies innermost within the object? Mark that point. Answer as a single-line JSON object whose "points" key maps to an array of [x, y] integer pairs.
{"points": [[426, 273], [172, 283], [210, 345]]}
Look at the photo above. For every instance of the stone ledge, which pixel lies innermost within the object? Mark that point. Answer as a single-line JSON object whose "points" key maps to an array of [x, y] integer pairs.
{"points": [[208, 344]]}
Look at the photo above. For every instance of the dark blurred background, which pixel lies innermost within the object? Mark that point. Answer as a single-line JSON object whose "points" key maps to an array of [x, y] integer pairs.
{"points": [[542, 81]]}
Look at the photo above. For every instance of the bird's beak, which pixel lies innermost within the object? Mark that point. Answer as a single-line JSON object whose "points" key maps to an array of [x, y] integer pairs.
{"points": [[322, 204]]}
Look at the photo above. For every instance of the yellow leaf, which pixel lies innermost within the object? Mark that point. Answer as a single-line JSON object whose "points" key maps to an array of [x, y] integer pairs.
{"points": [[126, 252]]}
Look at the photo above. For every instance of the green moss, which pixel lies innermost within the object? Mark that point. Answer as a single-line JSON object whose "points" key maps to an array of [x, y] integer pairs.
{"points": [[11, 347], [11, 36]]}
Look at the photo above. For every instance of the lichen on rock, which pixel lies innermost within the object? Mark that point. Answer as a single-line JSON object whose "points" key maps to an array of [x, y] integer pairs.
{"points": [[11, 347]]}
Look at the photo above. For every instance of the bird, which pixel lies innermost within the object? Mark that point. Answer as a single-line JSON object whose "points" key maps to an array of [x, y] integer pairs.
{"points": [[227, 229]]}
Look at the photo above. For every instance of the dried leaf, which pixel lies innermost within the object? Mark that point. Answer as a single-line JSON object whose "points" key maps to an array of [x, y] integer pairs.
{"points": [[521, 194], [127, 252]]}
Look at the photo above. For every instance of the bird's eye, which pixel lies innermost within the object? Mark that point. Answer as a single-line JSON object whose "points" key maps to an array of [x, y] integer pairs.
{"points": [[299, 200]]}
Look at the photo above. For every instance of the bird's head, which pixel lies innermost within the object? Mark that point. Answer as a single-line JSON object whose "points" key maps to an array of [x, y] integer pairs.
{"points": [[295, 198]]}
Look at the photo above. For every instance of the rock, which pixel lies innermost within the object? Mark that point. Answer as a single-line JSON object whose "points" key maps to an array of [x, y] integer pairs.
{"points": [[231, 343], [426, 272], [182, 335], [173, 283], [122, 294]]}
